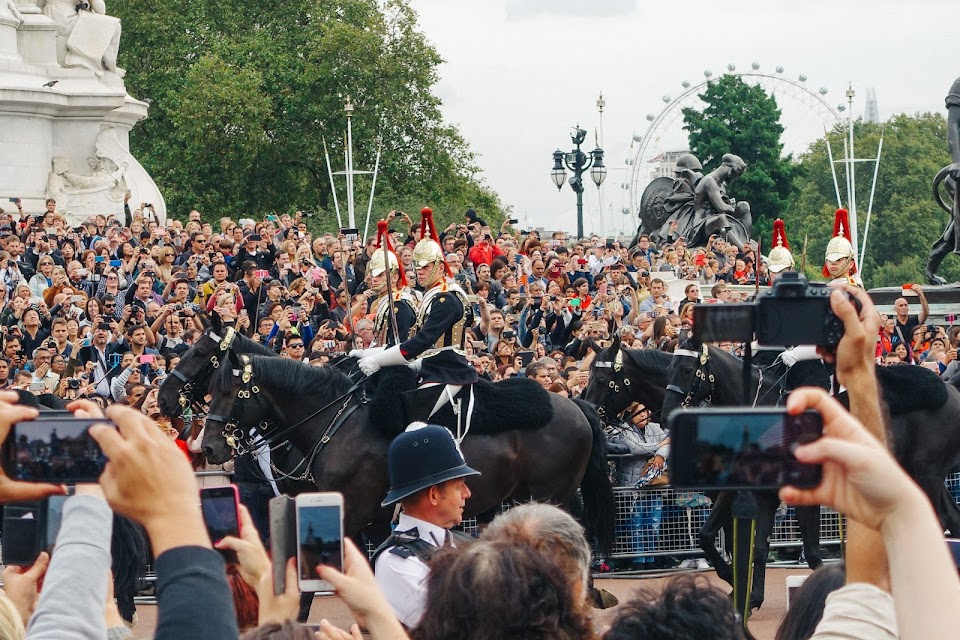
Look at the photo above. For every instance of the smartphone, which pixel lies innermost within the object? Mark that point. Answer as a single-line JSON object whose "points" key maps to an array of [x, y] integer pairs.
{"points": [[951, 318], [329, 345], [54, 449], [38, 386], [283, 539], [261, 273], [319, 537], [14, 200], [82, 272], [526, 357], [99, 258], [115, 359], [116, 263], [221, 514], [76, 299], [350, 234], [720, 448], [512, 221], [719, 322], [147, 358], [85, 343], [272, 219]]}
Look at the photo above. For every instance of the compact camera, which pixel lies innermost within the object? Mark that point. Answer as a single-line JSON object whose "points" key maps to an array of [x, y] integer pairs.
{"points": [[793, 312]]}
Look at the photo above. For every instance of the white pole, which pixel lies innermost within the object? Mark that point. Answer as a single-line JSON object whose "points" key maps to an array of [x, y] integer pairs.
{"points": [[373, 187], [873, 189], [333, 187], [351, 219], [853, 182], [833, 169]]}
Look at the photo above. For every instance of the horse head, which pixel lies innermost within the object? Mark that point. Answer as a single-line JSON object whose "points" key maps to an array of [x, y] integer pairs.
{"points": [[609, 386], [237, 402], [689, 380], [186, 384]]}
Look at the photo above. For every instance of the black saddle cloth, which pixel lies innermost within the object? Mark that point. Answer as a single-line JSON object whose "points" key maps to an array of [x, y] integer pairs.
{"points": [[512, 404], [907, 388]]}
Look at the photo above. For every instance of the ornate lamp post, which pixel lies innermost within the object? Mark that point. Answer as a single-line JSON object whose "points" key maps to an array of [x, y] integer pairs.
{"points": [[579, 163]]}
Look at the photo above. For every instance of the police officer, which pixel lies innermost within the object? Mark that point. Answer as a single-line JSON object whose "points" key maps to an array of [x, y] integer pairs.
{"points": [[427, 474]]}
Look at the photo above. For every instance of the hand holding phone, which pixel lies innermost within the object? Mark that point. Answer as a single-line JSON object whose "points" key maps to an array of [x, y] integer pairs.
{"points": [[221, 515], [319, 537]]}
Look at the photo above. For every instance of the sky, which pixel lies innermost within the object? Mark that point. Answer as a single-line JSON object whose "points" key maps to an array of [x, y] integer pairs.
{"points": [[518, 74]]}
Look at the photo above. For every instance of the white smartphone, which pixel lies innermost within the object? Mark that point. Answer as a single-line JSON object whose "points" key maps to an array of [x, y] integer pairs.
{"points": [[319, 537]]}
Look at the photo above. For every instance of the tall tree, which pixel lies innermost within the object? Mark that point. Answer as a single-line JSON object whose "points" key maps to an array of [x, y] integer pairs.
{"points": [[904, 222], [742, 119], [245, 93]]}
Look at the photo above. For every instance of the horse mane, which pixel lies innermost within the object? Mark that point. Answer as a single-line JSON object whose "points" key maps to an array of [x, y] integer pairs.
{"points": [[243, 344], [288, 375], [650, 361]]}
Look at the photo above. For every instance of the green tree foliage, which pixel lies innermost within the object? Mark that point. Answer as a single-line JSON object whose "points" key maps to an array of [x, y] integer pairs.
{"points": [[244, 94], [905, 220], [742, 119]]}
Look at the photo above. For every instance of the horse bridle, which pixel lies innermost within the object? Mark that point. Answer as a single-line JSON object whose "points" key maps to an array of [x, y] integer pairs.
{"points": [[242, 443], [701, 375], [613, 386], [187, 398]]}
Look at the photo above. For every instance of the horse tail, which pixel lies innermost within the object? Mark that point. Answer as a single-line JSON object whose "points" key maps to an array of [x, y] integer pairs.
{"points": [[599, 504], [130, 553]]}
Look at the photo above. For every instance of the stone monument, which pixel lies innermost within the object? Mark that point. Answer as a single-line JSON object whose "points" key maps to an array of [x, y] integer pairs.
{"points": [[65, 116]]}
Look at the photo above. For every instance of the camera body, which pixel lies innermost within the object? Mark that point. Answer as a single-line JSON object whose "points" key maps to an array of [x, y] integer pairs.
{"points": [[796, 311]]}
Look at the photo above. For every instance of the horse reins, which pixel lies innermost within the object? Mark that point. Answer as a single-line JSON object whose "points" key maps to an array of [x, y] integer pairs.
{"points": [[241, 443], [186, 391], [702, 374], [613, 386]]}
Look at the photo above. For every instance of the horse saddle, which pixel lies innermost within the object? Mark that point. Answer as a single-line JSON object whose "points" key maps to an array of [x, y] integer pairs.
{"points": [[512, 404]]}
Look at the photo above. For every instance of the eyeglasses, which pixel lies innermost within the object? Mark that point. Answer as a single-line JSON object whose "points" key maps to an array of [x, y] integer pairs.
{"points": [[295, 346]]}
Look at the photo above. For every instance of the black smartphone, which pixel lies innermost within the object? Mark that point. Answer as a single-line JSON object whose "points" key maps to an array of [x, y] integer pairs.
{"points": [[54, 449], [221, 514], [719, 322], [512, 221], [283, 539], [719, 448], [351, 235], [526, 357]]}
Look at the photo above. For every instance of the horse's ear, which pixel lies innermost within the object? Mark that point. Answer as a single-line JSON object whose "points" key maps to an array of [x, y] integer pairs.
{"points": [[216, 323], [615, 343], [233, 358]]}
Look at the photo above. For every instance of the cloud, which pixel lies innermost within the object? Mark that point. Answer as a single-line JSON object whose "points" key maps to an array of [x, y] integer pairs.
{"points": [[525, 9]]}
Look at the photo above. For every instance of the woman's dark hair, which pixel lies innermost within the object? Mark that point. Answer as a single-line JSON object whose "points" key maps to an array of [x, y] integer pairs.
{"points": [[688, 608], [579, 282], [806, 606], [660, 327], [501, 591]]}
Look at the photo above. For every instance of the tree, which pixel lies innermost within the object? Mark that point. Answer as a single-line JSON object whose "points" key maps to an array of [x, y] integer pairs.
{"points": [[904, 222], [744, 120], [244, 94]]}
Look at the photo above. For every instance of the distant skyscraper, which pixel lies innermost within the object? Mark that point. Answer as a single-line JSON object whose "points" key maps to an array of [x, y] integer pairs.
{"points": [[871, 113]]}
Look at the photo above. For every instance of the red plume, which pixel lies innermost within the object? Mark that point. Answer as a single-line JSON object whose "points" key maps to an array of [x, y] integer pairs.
{"points": [[429, 230], [383, 235], [779, 235], [841, 218]]}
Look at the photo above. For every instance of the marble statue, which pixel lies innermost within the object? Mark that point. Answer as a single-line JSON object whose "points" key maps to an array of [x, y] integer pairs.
{"points": [[86, 36], [9, 9]]}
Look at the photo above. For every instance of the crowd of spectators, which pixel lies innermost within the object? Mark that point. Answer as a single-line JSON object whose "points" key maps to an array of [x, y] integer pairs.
{"points": [[98, 314]]}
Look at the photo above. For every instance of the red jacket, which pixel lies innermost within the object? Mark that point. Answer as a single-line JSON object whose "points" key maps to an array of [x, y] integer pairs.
{"points": [[484, 253]]}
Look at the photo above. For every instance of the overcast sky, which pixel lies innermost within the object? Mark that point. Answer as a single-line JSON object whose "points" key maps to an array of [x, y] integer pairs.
{"points": [[519, 73]]}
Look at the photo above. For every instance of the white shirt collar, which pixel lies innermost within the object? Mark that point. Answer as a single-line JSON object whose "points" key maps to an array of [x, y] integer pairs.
{"points": [[428, 531]]}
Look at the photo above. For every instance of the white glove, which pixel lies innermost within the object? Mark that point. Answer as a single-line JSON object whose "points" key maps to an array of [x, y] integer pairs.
{"points": [[791, 357], [360, 353], [372, 363]]}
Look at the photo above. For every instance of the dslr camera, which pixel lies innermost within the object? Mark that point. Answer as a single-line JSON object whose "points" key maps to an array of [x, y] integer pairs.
{"points": [[793, 312]]}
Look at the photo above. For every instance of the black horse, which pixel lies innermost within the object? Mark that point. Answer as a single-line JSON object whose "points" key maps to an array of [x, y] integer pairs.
{"points": [[326, 417], [620, 376], [924, 439]]}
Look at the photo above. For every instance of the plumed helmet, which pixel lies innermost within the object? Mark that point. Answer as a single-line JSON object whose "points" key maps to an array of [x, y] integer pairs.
{"points": [[376, 266], [689, 161], [839, 246], [780, 257], [428, 250], [423, 456]]}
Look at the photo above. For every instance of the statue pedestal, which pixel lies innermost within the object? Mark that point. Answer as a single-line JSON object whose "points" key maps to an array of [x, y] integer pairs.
{"points": [[83, 121]]}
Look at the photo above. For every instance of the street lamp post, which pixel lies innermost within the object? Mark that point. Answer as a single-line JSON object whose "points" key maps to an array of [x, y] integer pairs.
{"points": [[579, 163]]}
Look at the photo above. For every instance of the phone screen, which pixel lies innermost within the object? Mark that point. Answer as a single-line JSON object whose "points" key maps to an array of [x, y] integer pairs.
{"points": [[731, 449], [219, 506], [54, 450], [319, 539]]}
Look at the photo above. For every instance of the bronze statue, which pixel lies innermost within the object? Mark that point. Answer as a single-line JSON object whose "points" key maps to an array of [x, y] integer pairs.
{"points": [[714, 212], [950, 240]]}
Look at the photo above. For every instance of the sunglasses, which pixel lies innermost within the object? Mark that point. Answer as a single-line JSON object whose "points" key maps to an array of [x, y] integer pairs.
{"points": [[295, 346]]}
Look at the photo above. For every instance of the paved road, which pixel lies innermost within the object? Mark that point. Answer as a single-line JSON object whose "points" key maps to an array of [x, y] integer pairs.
{"points": [[763, 624]]}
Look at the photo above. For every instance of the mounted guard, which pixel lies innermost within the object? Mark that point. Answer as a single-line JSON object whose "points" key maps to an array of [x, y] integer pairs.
{"points": [[780, 259], [435, 347], [839, 263], [390, 326]]}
